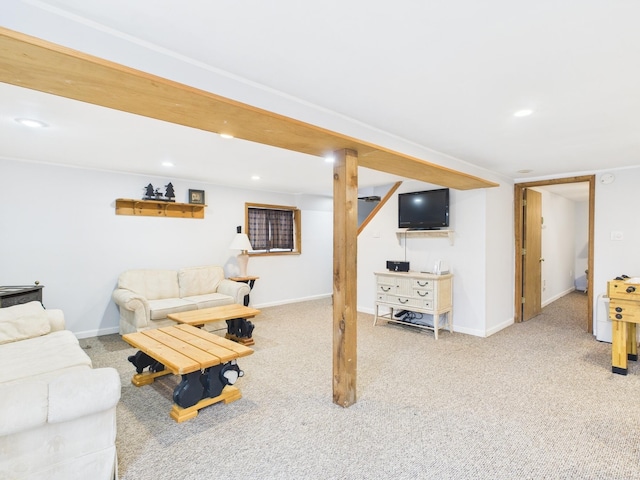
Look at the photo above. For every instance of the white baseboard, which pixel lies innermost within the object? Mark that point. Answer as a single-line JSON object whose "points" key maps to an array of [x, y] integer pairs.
{"points": [[292, 300], [556, 297], [96, 333], [500, 326]]}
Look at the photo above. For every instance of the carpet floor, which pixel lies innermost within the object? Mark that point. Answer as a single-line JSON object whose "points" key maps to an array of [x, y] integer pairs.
{"points": [[534, 401]]}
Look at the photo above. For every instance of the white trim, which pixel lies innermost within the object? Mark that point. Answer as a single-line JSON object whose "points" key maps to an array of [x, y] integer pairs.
{"points": [[558, 296]]}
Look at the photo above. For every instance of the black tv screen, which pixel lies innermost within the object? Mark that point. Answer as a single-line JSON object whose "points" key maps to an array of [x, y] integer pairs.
{"points": [[428, 210]]}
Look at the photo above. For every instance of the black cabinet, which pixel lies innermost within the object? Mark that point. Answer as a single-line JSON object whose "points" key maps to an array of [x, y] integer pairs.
{"points": [[17, 294]]}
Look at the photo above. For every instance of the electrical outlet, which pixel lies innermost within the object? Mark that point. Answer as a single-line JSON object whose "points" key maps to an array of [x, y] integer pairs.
{"points": [[617, 235]]}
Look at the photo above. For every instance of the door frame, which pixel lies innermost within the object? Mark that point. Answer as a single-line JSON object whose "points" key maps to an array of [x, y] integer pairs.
{"points": [[518, 223]]}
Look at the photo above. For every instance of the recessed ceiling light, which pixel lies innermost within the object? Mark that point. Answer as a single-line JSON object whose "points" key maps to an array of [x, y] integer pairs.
{"points": [[523, 113], [524, 171], [167, 164], [255, 177], [226, 135], [29, 122], [330, 159]]}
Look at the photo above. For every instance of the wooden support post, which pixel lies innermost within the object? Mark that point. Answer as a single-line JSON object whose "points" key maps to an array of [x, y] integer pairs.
{"points": [[345, 240]]}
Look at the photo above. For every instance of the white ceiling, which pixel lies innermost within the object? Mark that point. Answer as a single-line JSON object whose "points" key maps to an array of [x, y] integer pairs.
{"points": [[446, 76]]}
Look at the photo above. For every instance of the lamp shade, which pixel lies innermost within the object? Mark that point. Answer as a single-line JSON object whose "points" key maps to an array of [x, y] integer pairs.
{"points": [[240, 242]]}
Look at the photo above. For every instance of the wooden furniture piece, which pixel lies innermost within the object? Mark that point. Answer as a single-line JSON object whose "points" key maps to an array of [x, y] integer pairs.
{"points": [[624, 313], [158, 208], [418, 292], [249, 280], [206, 362], [239, 328], [18, 294], [406, 233]]}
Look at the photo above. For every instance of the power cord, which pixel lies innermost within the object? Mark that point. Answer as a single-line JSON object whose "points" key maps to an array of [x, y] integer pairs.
{"points": [[411, 317]]}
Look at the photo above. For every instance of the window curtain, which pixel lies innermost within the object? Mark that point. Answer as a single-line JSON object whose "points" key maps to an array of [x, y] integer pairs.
{"points": [[271, 229], [281, 222]]}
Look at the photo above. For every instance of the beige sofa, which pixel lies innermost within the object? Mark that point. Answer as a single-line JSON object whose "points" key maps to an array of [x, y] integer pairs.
{"points": [[146, 297], [57, 414]]}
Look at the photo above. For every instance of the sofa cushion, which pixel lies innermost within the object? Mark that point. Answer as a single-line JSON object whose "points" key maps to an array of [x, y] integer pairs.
{"points": [[23, 327], [159, 309], [42, 357], [210, 300], [151, 284], [199, 280]]}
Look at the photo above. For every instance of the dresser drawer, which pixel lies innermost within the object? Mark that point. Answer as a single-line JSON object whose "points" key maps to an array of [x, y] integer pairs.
{"points": [[424, 304], [422, 284], [400, 301], [625, 310], [423, 294]]}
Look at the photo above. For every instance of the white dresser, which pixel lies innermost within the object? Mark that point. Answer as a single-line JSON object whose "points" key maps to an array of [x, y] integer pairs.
{"points": [[427, 295]]}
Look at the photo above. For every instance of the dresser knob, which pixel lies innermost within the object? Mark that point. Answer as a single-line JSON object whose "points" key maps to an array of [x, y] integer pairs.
{"points": [[618, 316], [631, 289], [618, 309]]}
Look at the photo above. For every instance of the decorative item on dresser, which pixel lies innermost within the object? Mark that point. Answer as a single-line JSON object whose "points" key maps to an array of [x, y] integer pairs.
{"points": [[414, 295], [18, 294]]}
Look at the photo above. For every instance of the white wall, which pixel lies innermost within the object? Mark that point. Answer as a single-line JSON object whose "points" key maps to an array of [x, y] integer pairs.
{"points": [[615, 212], [558, 246], [581, 242], [499, 257], [59, 227]]}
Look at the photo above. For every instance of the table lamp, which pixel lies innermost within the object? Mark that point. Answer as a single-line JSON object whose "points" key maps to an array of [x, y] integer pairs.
{"points": [[241, 242]]}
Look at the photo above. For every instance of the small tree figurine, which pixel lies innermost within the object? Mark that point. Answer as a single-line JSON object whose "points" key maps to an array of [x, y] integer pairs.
{"points": [[170, 194], [148, 193]]}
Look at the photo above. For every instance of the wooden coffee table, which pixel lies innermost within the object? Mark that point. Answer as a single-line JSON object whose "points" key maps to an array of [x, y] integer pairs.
{"points": [[239, 328], [207, 363]]}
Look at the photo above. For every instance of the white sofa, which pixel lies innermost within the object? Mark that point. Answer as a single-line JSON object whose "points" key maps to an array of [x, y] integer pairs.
{"points": [[146, 297], [57, 414]]}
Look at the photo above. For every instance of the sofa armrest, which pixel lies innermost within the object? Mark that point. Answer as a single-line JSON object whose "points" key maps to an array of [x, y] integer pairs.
{"points": [[56, 319], [130, 300], [237, 290], [83, 392], [23, 405], [29, 404]]}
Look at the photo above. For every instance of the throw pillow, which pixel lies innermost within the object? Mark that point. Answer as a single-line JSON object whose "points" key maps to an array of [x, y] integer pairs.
{"points": [[23, 327]]}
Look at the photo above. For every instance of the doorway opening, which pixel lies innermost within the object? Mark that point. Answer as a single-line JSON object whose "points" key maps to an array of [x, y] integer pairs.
{"points": [[522, 276]]}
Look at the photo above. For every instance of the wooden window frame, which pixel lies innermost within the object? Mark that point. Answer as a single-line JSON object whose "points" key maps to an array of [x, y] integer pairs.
{"points": [[297, 223]]}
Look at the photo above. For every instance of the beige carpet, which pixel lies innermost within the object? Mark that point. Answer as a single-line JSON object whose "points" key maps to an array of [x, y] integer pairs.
{"points": [[537, 400]]}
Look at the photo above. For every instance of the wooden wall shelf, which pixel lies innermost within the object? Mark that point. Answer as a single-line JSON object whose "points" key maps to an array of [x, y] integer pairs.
{"points": [[425, 234], [154, 208]]}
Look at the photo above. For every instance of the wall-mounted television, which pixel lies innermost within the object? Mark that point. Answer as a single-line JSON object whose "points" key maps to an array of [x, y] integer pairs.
{"points": [[427, 210]]}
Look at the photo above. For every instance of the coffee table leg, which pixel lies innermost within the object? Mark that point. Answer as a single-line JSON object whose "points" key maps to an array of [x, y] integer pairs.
{"points": [[240, 330], [189, 391], [216, 378], [141, 361], [201, 389]]}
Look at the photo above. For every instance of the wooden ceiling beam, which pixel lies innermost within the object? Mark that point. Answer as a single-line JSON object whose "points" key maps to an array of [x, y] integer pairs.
{"points": [[33, 63]]}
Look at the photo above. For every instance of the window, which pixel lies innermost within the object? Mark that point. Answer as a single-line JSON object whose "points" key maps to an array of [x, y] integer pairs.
{"points": [[273, 229]]}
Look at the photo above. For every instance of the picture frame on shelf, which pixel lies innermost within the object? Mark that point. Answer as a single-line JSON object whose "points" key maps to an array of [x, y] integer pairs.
{"points": [[196, 197]]}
